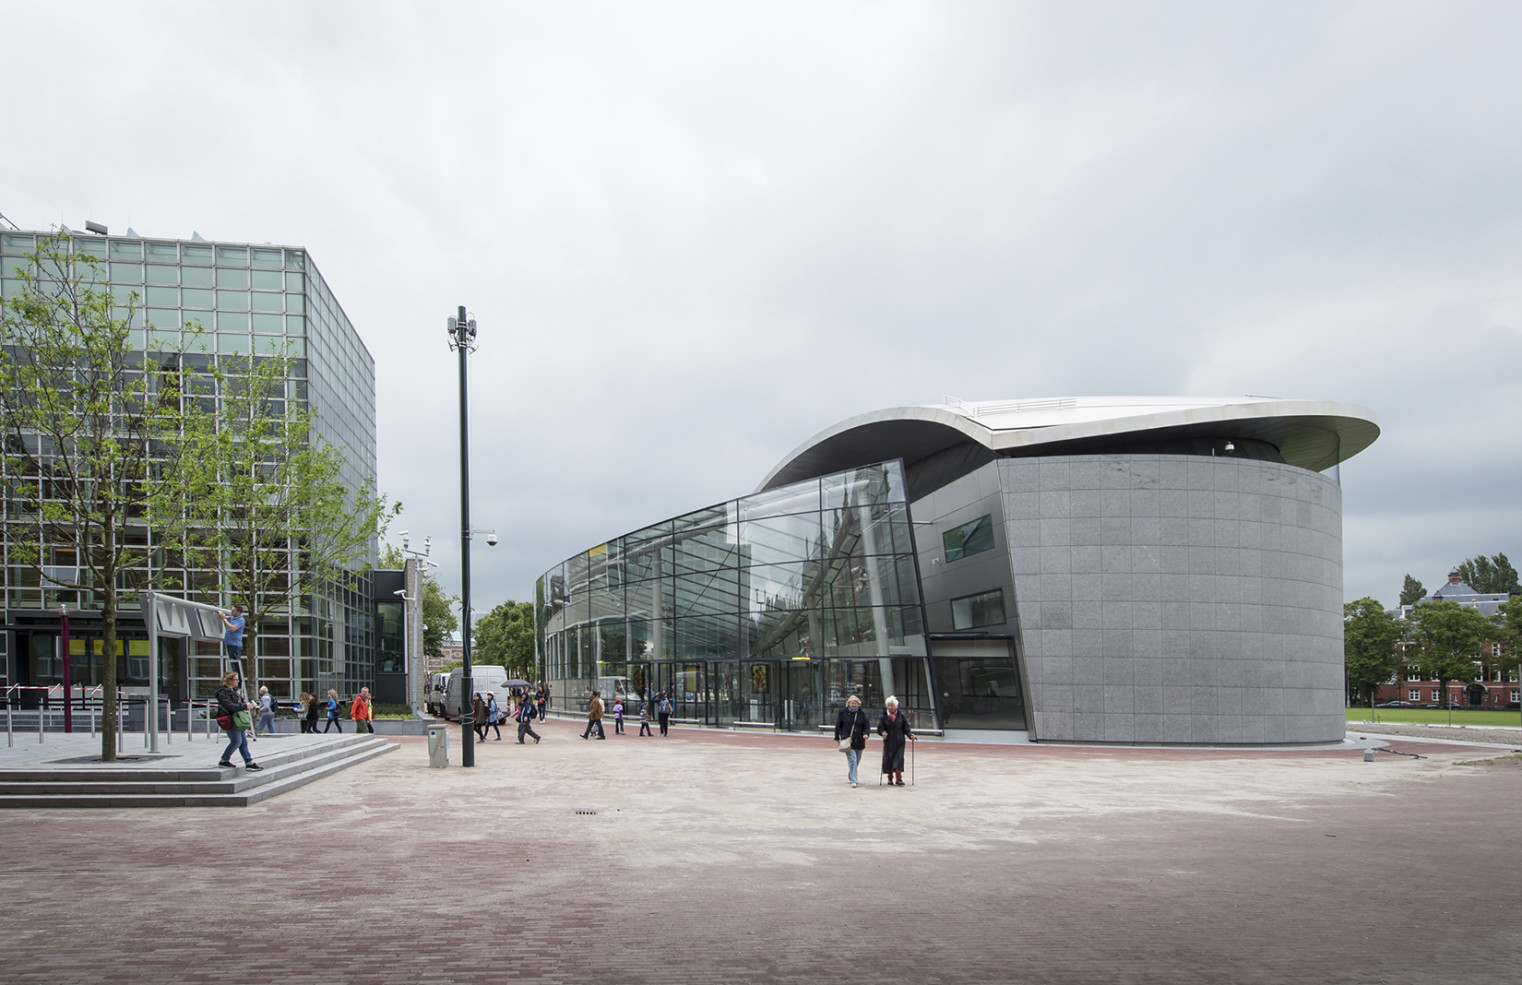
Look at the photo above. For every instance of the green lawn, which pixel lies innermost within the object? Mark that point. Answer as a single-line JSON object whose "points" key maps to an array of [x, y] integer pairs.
{"points": [[1434, 716]]}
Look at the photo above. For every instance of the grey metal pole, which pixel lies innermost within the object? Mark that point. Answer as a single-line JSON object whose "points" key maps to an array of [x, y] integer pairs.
{"points": [[461, 337]]}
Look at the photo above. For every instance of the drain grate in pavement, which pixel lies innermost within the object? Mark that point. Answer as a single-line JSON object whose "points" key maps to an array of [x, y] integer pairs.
{"points": [[580, 811]]}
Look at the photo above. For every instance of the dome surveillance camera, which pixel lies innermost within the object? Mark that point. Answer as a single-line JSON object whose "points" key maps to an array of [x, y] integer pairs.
{"points": [[491, 540]]}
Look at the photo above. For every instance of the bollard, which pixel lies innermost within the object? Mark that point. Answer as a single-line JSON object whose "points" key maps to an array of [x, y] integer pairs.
{"points": [[438, 745], [1368, 755]]}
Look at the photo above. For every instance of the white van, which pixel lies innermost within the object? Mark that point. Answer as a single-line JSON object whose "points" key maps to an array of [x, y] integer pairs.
{"points": [[487, 677], [433, 701]]}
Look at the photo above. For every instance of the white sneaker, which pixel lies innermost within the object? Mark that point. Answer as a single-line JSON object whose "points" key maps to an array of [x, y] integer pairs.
{"points": [[853, 786]]}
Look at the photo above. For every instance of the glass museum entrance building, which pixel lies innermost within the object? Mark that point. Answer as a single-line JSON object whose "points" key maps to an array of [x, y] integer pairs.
{"points": [[1098, 570]]}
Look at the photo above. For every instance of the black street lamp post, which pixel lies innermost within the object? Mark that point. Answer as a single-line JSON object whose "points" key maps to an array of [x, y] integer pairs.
{"points": [[462, 339]]}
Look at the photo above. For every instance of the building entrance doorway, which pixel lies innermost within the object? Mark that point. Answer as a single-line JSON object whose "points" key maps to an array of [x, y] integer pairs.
{"points": [[978, 684]]}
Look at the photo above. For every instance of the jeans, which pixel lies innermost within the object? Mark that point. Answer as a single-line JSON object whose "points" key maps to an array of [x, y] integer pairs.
{"points": [[235, 657], [853, 757], [266, 721], [594, 723], [237, 741], [527, 728]]}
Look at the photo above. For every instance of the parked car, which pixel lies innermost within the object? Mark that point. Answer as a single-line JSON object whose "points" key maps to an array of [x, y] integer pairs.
{"points": [[1395, 704]]}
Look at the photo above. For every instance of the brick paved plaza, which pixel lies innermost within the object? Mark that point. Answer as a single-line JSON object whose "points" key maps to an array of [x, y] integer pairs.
{"points": [[714, 857]]}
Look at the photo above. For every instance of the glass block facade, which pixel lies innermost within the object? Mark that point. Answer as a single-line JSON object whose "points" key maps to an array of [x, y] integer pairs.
{"points": [[248, 299], [769, 610]]}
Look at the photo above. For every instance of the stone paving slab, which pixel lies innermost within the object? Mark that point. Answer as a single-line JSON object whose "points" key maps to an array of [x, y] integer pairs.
{"points": [[713, 857]]}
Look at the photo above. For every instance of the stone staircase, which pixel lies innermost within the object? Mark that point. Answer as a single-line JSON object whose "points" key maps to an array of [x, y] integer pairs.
{"points": [[141, 783]]}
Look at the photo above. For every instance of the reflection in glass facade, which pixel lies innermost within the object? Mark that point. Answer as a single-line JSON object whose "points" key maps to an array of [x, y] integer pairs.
{"points": [[769, 610], [249, 300]]}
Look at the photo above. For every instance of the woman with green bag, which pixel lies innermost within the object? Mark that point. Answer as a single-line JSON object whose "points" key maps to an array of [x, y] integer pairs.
{"points": [[234, 710]]}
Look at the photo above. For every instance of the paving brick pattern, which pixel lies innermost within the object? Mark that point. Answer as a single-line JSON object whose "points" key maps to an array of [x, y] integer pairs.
{"points": [[734, 858]]}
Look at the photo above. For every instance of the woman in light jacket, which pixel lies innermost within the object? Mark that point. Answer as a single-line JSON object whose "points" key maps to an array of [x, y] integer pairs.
{"points": [[851, 722]]}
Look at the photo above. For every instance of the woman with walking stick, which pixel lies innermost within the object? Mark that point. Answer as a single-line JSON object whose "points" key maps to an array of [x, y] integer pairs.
{"points": [[893, 726]]}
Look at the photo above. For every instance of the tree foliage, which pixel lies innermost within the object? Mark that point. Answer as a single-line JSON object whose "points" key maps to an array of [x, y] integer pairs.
{"points": [[259, 497], [505, 636], [1449, 639], [1490, 575], [1369, 636], [85, 420], [1411, 592]]}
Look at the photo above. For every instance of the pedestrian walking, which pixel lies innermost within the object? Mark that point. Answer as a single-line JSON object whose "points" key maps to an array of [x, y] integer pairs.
{"points": [[478, 716], [492, 715], [644, 718], [618, 716], [313, 709], [235, 708], [363, 712], [266, 711], [851, 724], [663, 712], [526, 719], [894, 728], [333, 709], [594, 717], [543, 699]]}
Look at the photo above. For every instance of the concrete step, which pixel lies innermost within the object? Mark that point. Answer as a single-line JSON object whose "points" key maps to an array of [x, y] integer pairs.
{"points": [[214, 787]]}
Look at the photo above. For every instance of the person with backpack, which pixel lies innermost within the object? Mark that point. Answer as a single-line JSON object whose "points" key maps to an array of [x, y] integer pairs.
{"points": [[525, 718], [493, 714], [266, 711], [362, 712], [663, 712]]}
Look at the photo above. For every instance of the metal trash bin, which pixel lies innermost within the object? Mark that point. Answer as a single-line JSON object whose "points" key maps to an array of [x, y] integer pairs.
{"points": [[438, 745]]}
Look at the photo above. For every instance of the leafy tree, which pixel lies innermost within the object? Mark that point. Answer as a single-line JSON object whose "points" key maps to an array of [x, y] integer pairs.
{"points": [[85, 416], [1411, 592], [439, 619], [1448, 639], [505, 636], [259, 497], [1508, 636], [438, 608], [1490, 575], [1369, 635]]}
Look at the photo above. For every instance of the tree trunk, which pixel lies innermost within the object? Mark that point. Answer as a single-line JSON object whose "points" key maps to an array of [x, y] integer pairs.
{"points": [[108, 666]]}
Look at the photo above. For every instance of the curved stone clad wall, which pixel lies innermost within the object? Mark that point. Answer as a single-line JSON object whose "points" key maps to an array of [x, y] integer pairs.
{"points": [[1173, 599]]}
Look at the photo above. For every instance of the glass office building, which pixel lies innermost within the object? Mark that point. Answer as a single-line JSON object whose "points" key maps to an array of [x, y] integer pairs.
{"points": [[248, 299], [769, 610]]}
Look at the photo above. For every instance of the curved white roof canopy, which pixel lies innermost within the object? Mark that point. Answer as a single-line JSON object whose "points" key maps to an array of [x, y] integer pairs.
{"points": [[1311, 434]]}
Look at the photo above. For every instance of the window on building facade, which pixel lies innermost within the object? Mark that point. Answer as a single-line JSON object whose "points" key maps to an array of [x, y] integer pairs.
{"points": [[968, 539], [1413, 695], [973, 611]]}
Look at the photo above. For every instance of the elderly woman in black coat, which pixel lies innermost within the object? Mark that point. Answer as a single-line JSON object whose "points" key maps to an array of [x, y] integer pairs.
{"points": [[893, 726]]}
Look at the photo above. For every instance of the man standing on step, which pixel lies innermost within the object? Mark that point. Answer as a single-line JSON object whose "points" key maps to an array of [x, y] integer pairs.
{"points": [[233, 638]]}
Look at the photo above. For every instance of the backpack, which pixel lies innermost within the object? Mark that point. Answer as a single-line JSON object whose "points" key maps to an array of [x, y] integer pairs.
{"points": [[665, 706]]}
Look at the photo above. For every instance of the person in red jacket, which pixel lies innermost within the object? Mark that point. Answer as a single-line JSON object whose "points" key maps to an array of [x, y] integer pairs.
{"points": [[362, 711]]}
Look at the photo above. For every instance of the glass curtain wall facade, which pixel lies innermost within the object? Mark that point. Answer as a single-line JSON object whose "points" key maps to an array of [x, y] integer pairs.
{"points": [[249, 300], [769, 611]]}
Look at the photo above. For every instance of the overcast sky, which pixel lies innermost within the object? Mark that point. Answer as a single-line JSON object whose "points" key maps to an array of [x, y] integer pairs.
{"points": [[694, 235]]}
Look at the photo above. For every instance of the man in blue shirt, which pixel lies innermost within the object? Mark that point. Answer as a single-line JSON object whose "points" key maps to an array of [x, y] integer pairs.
{"points": [[233, 638]]}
